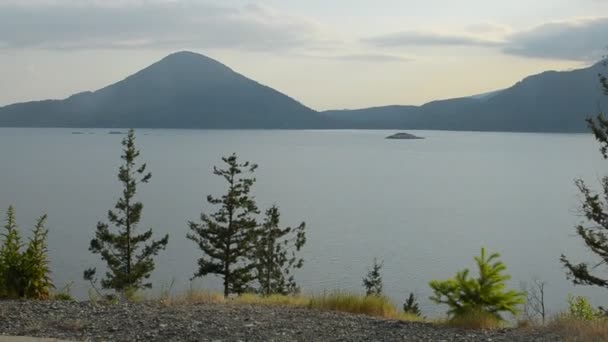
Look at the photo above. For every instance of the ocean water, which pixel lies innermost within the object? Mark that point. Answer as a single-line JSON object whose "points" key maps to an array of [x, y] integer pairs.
{"points": [[424, 207]]}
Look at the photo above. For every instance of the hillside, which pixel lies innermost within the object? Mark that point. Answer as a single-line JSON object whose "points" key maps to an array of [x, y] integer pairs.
{"points": [[548, 102], [183, 90]]}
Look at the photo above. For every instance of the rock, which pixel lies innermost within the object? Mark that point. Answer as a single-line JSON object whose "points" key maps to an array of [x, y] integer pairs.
{"points": [[403, 135], [225, 322]]}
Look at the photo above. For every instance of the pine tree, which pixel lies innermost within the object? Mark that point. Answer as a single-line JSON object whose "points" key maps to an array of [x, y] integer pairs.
{"points": [[228, 236], [10, 259], [128, 256], [595, 210], [373, 280], [411, 306], [276, 255], [35, 264], [487, 294]]}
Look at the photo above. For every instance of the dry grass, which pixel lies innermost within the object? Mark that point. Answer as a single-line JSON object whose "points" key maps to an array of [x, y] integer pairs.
{"points": [[273, 300], [335, 301], [580, 330], [357, 304], [193, 296], [475, 321]]}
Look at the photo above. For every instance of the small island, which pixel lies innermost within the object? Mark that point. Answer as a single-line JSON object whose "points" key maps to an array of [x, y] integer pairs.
{"points": [[403, 135], [116, 132]]}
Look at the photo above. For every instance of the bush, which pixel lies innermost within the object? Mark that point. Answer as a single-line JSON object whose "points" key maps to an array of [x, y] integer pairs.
{"points": [[580, 308], [580, 330], [24, 274], [477, 320], [411, 306], [467, 296]]}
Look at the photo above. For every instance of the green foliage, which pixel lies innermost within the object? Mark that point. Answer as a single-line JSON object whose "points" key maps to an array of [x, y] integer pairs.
{"points": [[24, 274], [35, 263], [595, 233], [580, 308], [65, 293], [276, 255], [411, 306], [228, 236], [129, 259], [464, 294], [10, 259], [372, 282]]}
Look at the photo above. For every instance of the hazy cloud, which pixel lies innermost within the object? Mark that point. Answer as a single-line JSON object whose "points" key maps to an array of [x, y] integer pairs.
{"points": [[366, 57], [70, 24], [581, 40], [421, 38]]}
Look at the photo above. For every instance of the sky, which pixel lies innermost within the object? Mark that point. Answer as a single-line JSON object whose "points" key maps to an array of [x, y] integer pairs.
{"points": [[327, 54]]}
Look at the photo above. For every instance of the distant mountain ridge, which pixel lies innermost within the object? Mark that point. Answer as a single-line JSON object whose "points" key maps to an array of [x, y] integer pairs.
{"points": [[551, 101], [189, 90]]}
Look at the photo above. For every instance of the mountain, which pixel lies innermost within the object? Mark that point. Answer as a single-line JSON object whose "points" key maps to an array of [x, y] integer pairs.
{"points": [[183, 90], [188, 90], [548, 102]]}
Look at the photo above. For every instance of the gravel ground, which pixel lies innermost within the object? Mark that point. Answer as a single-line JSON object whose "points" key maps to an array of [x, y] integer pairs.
{"points": [[88, 321]]}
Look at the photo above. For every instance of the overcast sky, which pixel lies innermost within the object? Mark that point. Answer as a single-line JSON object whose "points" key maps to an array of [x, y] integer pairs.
{"points": [[325, 53]]}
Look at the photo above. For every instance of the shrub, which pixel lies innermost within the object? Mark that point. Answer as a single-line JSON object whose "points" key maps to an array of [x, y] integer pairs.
{"points": [[411, 306], [24, 274], [580, 308], [466, 296], [475, 319], [580, 330]]}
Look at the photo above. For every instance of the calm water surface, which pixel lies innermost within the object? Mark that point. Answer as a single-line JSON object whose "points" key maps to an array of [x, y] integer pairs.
{"points": [[423, 206]]}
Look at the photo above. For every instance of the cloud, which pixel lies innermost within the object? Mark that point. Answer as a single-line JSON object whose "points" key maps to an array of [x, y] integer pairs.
{"points": [[120, 24], [422, 38], [579, 40], [366, 57]]}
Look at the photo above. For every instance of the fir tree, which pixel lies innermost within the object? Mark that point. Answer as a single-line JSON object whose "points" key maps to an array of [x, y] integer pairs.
{"points": [[276, 255], [487, 294], [35, 264], [373, 280], [594, 232], [128, 255], [10, 258], [411, 306], [228, 236]]}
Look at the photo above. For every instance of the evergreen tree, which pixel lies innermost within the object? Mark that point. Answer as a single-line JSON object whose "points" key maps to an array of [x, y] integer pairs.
{"points": [[128, 255], [10, 258], [24, 274], [35, 264], [487, 294], [373, 280], [411, 306], [276, 255], [595, 210], [228, 236]]}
